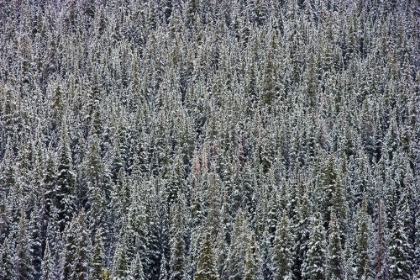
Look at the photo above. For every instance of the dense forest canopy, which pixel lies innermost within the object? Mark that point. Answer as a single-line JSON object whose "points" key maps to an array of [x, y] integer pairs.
{"points": [[192, 139]]}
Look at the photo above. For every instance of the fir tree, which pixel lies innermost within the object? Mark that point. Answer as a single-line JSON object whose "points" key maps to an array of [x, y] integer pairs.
{"points": [[76, 256], [98, 258], [400, 251], [302, 235], [163, 272], [65, 183], [381, 253], [335, 262], [206, 267], [235, 263], [47, 270], [252, 261], [121, 264], [363, 246], [283, 249], [7, 269], [23, 258], [35, 227], [314, 266], [177, 261], [136, 269]]}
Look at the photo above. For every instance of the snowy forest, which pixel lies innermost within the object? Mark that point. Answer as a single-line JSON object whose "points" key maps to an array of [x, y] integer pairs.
{"points": [[209, 139]]}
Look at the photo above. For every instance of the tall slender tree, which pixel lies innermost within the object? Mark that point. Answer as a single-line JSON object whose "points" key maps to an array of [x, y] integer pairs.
{"points": [[206, 267], [314, 266], [283, 249], [23, 257]]}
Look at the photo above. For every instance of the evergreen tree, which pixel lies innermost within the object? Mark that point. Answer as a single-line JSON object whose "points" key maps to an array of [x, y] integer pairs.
{"points": [[7, 269], [381, 252], [363, 243], [23, 257], [48, 265], [400, 251], [76, 256], [177, 261], [163, 272], [235, 263], [314, 266], [417, 242], [98, 258], [35, 227], [257, 106], [283, 249], [302, 235], [206, 267], [136, 269], [335, 263], [65, 183], [252, 262], [121, 262], [331, 195]]}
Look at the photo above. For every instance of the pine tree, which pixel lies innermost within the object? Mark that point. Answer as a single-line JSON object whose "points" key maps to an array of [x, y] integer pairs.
{"points": [[7, 269], [177, 261], [400, 251], [235, 263], [96, 214], [314, 266], [65, 182], [47, 269], [163, 272], [83, 252], [136, 269], [121, 261], [283, 249], [98, 258], [48, 185], [381, 253], [35, 225], [335, 262], [23, 258], [331, 194], [252, 262], [363, 240], [302, 235], [206, 267], [76, 256]]}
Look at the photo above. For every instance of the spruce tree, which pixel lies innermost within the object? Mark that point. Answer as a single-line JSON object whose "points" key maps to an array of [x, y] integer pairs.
{"points": [[235, 263], [252, 261], [335, 263], [35, 227], [7, 269], [65, 182], [314, 266], [98, 258], [47, 269], [363, 243], [23, 257], [76, 256], [163, 272], [400, 251], [302, 233], [177, 261], [381, 260], [136, 269], [121, 263], [206, 267], [283, 249], [251, 268], [329, 191]]}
